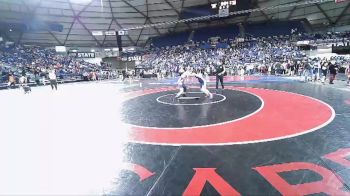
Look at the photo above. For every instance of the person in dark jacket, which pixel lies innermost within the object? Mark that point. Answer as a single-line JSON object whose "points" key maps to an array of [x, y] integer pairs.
{"points": [[220, 71], [332, 71], [37, 75], [124, 75]]}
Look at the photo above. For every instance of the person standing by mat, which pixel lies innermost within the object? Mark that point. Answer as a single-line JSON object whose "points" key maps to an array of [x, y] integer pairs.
{"points": [[333, 68], [324, 70], [220, 71], [347, 72], [53, 79]]}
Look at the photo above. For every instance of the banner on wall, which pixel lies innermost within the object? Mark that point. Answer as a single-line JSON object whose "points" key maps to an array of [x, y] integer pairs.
{"points": [[82, 54], [110, 33], [132, 58]]}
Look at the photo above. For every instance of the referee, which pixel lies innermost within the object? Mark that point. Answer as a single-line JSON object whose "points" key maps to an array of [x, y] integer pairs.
{"points": [[220, 71]]}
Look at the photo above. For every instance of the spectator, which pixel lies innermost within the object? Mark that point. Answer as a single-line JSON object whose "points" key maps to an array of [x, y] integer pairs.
{"points": [[324, 69], [332, 71], [53, 79], [347, 72], [11, 80]]}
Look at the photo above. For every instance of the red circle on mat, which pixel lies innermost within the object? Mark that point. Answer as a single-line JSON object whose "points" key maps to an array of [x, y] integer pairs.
{"points": [[284, 115]]}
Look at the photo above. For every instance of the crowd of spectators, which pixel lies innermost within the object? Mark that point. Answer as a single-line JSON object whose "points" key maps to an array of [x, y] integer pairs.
{"points": [[35, 62], [262, 51], [277, 55]]}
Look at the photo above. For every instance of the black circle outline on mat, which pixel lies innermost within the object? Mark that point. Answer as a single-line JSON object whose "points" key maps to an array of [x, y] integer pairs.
{"points": [[194, 104], [211, 125]]}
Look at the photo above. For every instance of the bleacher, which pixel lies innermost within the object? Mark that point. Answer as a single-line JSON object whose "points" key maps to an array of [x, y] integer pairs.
{"points": [[172, 39], [203, 34], [273, 28], [264, 29]]}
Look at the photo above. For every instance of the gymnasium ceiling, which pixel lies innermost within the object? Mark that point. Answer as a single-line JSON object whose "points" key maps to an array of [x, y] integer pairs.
{"points": [[80, 17]]}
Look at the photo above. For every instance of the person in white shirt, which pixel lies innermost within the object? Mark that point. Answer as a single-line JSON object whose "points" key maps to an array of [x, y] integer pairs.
{"points": [[317, 70], [53, 79]]}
